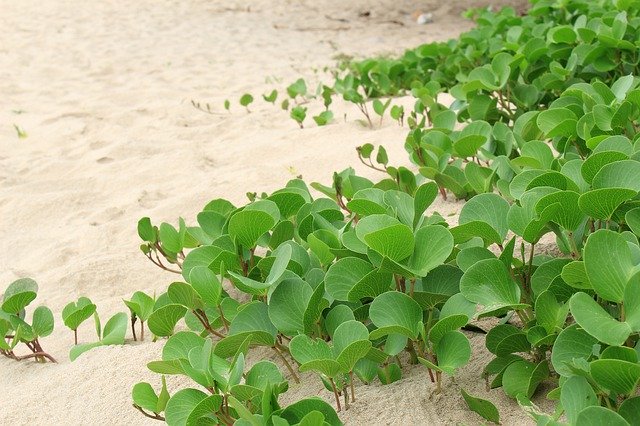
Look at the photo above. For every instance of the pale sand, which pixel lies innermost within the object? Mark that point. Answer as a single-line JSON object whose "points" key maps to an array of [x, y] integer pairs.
{"points": [[105, 90]]}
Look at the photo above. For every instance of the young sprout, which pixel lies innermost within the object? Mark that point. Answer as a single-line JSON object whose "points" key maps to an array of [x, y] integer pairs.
{"points": [[323, 118], [246, 100], [285, 104], [75, 313], [227, 104], [141, 307], [271, 97], [22, 134], [380, 108], [298, 88], [397, 113], [299, 113]]}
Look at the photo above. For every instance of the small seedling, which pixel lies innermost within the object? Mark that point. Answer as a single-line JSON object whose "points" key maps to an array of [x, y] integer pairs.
{"points": [[246, 100], [323, 118], [75, 313], [299, 113], [380, 108], [397, 113], [113, 334], [285, 104], [297, 89], [227, 104], [13, 327], [140, 307], [22, 134], [271, 97]]}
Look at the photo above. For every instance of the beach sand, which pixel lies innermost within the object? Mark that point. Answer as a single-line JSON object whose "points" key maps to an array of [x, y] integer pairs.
{"points": [[103, 91]]}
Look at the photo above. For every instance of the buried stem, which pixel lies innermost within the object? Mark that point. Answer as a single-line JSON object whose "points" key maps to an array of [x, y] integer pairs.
{"points": [[286, 363], [335, 393]]}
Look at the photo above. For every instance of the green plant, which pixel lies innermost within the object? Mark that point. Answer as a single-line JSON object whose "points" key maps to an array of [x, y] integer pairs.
{"points": [[13, 326], [324, 118], [113, 334], [299, 113], [271, 97], [246, 100], [75, 313], [141, 307]]}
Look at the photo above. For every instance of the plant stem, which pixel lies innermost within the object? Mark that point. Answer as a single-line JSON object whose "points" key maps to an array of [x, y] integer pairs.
{"points": [[286, 363], [75, 336], [133, 328], [154, 416], [353, 392], [141, 330], [346, 397], [335, 393], [224, 320]]}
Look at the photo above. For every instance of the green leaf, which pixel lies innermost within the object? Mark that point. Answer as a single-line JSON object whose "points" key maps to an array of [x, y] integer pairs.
{"points": [[249, 224], [452, 351], [395, 312], [609, 264], [181, 404], [573, 343], [18, 295], [598, 416], [246, 99], [113, 334], [146, 231], [163, 320], [483, 407], [630, 410], [576, 394], [75, 313], [596, 321], [616, 375], [488, 283], [170, 238], [206, 284], [557, 122], [523, 378], [295, 412], [433, 245], [144, 396], [42, 321], [350, 344], [313, 354], [488, 208], [287, 306], [387, 236]]}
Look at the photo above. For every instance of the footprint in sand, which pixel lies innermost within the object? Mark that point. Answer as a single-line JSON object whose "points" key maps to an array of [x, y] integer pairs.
{"points": [[149, 199]]}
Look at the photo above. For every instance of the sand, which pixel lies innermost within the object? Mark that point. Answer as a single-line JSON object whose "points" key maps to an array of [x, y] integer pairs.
{"points": [[103, 91]]}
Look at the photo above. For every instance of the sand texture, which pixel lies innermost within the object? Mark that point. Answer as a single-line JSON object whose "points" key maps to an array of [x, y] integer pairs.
{"points": [[103, 90]]}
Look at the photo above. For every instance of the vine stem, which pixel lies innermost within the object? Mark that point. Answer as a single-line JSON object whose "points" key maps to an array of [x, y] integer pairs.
{"points": [[335, 393], [154, 416], [286, 363], [353, 392], [207, 326]]}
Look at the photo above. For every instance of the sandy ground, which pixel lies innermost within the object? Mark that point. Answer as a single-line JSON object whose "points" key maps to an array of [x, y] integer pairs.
{"points": [[103, 91]]}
